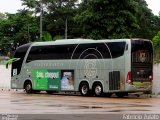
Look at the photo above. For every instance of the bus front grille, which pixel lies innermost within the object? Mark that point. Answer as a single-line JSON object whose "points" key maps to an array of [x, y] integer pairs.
{"points": [[114, 80]]}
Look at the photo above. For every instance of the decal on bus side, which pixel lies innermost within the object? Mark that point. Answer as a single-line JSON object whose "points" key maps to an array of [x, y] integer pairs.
{"points": [[53, 79]]}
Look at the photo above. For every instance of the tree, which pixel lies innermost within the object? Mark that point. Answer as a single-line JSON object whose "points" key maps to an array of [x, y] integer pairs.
{"points": [[2, 16], [17, 29], [149, 24], [108, 18], [55, 14], [156, 43], [156, 40]]}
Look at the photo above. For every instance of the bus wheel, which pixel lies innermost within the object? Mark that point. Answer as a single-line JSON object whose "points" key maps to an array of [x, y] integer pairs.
{"points": [[108, 94], [120, 94], [28, 87], [98, 90], [49, 92], [36, 91], [84, 89]]}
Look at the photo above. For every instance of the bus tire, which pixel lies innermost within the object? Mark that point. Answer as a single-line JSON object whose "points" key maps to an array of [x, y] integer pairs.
{"points": [[50, 92], [108, 94], [28, 87], [84, 89], [121, 94], [36, 91], [98, 89]]}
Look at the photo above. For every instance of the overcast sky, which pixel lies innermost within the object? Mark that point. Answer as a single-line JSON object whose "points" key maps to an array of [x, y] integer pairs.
{"points": [[154, 5], [12, 6]]}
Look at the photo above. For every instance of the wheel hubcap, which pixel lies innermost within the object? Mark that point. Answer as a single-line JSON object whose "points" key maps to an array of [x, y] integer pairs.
{"points": [[84, 89], [28, 87], [98, 90]]}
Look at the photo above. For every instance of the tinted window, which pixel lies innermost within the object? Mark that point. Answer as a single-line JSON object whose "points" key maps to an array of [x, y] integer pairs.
{"points": [[91, 51], [19, 53], [81, 51], [117, 48], [142, 51], [48, 53], [141, 45]]}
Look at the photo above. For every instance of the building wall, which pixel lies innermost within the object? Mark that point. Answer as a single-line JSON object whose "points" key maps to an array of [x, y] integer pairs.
{"points": [[5, 77], [156, 79]]}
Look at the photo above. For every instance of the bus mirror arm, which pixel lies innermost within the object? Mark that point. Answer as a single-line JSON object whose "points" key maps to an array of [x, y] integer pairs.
{"points": [[16, 59], [10, 61], [6, 65]]}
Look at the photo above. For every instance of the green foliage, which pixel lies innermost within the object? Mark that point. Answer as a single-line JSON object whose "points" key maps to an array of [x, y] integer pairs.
{"points": [[58, 37], [2, 16], [29, 3], [156, 43], [149, 24], [47, 37], [55, 13], [156, 40], [96, 19], [17, 29], [108, 18]]}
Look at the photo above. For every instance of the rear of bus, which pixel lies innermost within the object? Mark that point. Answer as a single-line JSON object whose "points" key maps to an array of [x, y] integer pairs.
{"points": [[141, 75]]}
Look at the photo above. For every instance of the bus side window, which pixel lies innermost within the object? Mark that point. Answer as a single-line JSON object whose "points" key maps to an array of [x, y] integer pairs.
{"points": [[117, 48]]}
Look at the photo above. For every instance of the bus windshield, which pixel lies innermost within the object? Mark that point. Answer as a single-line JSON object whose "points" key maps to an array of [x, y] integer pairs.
{"points": [[19, 57]]}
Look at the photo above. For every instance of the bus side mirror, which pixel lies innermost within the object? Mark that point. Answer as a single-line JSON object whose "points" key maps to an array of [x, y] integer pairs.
{"points": [[11, 61]]}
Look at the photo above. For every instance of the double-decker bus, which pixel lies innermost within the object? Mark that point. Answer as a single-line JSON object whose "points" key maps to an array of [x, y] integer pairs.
{"points": [[91, 67]]}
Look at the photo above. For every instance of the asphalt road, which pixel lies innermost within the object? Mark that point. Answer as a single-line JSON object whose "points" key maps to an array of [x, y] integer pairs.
{"points": [[44, 106], [17, 105]]}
